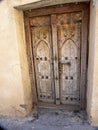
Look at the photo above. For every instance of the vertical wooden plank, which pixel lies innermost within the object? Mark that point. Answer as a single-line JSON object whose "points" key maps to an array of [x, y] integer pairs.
{"points": [[55, 58], [83, 84], [30, 58]]}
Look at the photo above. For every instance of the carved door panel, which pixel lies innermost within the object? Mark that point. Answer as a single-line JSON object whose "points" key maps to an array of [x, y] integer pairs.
{"points": [[42, 49], [69, 40]]}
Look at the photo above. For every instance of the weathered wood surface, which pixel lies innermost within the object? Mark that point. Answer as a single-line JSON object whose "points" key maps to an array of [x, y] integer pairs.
{"points": [[59, 48], [42, 50]]}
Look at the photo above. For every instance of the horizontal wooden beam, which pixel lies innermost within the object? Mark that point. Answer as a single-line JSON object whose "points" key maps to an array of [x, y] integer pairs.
{"points": [[56, 9], [45, 3]]}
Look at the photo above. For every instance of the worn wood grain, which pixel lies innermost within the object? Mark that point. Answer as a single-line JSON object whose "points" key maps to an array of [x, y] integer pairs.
{"points": [[42, 51], [58, 42], [30, 59], [58, 9], [69, 35]]}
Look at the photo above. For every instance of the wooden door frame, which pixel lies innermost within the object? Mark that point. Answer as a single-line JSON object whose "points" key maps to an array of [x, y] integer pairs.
{"points": [[58, 9]]}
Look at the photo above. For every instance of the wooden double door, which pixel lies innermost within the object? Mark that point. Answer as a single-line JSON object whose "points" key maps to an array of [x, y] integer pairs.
{"points": [[59, 45]]}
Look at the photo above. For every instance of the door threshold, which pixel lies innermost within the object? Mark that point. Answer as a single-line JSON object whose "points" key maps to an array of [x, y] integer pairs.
{"points": [[53, 106]]}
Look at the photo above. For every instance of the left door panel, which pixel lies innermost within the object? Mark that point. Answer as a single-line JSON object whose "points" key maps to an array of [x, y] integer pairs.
{"points": [[42, 52]]}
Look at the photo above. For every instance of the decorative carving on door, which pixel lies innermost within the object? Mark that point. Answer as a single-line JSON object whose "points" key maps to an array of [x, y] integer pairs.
{"points": [[69, 58], [59, 43], [43, 66]]}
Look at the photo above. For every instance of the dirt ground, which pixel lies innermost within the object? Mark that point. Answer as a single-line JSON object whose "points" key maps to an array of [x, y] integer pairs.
{"points": [[48, 119]]}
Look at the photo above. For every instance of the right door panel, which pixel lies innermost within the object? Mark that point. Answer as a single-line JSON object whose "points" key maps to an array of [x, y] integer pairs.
{"points": [[69, 56]]}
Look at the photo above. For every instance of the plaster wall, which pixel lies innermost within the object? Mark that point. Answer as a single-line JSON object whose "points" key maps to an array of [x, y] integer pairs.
{"points": [[90, 74], [15, 88], [94, 110], [92, 86]]}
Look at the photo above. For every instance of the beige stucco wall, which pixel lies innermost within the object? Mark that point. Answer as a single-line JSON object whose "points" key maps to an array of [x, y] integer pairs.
{"points": [[94, 110], [15, 86], [92, 88]]}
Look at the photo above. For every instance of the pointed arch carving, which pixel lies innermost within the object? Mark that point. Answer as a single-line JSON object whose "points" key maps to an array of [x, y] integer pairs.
{"points": [[72, 41], [42, 48]]}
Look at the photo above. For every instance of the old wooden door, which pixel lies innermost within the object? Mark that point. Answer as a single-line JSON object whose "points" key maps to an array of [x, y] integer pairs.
{"points": [[59, 45]]}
